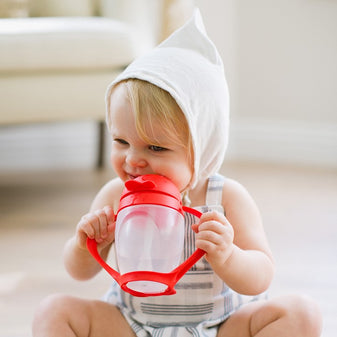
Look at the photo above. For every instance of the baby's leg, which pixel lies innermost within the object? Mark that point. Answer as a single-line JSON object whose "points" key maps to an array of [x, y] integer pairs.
{"points": [[288, 316], [68, 316]]}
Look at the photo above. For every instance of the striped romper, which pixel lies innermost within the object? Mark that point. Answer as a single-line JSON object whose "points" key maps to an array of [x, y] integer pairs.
{"points": [[202, 302]]}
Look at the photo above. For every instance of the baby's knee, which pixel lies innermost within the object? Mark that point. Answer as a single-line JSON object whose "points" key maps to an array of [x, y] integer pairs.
{"points": [[50, 310], [52, 304], [305, 314]]}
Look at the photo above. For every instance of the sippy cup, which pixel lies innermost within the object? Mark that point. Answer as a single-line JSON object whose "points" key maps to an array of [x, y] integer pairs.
{"points": [[149, 237]]}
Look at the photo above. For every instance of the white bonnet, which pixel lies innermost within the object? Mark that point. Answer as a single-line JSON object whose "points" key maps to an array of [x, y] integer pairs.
{"points": [[189, 67]]}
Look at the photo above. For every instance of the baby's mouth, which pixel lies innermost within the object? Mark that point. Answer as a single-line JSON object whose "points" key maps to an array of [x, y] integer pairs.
{"points": [[132, 176]]}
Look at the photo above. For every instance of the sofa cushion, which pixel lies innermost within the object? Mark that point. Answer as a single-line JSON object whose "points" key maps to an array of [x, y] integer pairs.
{"points": [[62, 7], [63, 43], [14, 8]]}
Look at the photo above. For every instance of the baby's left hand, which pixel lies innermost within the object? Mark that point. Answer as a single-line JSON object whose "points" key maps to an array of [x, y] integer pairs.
{"points": [[214, 235]]}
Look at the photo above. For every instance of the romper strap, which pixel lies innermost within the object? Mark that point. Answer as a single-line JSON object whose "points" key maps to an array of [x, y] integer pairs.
{"points": [[214, 190]]}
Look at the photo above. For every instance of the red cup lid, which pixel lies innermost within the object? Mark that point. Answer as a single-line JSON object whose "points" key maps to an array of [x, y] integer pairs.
{"points": [[151, 189]]}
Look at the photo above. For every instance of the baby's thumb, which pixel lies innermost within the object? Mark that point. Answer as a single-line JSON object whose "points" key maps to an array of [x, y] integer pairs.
{"points": [[195, 228]]}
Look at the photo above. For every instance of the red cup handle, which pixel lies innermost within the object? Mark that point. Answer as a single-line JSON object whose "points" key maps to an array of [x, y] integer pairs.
{"points": [[169, 279]]}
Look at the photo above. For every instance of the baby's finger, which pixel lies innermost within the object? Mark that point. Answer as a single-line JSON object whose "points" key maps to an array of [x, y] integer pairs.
{"points": [[213, 215], [93, 221], [206, 246], [109, 214], [84, 226], [84, 230], [209, 236], [214, 226], [102, 225]]}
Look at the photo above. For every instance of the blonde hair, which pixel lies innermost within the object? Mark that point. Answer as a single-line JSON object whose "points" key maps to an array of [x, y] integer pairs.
{"points": [[153, 107]]}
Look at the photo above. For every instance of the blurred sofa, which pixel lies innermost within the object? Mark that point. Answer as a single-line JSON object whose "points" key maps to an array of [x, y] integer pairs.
{"points": [[58, 56]]}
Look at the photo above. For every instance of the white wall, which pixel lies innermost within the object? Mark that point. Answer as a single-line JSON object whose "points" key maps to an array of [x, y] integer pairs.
{"points": [[287, 54], [280, 60]]}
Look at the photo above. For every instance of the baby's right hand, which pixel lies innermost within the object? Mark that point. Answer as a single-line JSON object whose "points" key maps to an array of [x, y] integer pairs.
{"points": [[98, 225]]}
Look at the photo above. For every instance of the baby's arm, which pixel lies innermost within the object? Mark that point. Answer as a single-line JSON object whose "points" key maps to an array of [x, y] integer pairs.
{"points": [[98, 224], [236, 245]]}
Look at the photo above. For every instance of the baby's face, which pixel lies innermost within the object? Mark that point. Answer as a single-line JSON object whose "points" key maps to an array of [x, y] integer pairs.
{"points": [[131, 156]]}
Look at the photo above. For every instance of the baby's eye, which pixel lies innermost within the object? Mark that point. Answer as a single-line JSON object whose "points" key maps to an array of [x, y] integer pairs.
{"points": [[121, 141], [156, 148]]}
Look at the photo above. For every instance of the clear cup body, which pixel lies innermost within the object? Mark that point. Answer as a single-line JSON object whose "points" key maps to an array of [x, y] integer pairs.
{"points": [[149, 238]]}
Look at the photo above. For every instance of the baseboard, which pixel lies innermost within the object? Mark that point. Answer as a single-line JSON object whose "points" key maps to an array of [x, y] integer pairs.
{"points": [[48, 146], [289, 142]]}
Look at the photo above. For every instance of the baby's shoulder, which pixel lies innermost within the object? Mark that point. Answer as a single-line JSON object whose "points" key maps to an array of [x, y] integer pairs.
{"points": [[109, 194], [234, 193], [114, 185], [231, 185]]}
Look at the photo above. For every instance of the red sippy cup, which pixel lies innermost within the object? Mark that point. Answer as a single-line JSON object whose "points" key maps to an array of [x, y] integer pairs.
{"points": [[149, 238]]}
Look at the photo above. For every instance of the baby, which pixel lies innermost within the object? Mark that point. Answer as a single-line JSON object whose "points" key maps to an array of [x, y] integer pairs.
{"points": [[168, 114]]}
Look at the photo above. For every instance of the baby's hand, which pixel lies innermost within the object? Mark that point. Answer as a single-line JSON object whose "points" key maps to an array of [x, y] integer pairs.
{"points": [[98, 225], [214, 235]]}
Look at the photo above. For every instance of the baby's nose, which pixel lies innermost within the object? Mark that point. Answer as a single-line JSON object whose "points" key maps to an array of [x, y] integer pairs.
{"points": [[135, 159]]}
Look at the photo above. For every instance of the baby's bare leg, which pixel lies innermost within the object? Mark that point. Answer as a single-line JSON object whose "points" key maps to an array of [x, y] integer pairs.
{"points": [[288, 316], [68, 316]]}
